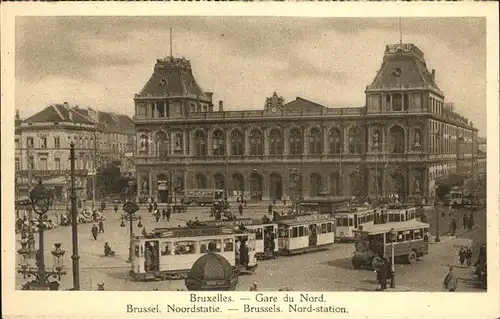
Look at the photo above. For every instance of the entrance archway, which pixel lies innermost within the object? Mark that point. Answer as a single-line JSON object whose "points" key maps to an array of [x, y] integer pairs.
{"points": [[200, 181], [256, 186], [238, 184], [162, 186], [275, 186]]}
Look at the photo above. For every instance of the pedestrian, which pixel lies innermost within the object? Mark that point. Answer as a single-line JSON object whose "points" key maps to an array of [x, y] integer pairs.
{"points": [[468, 256], [382, 275], [461, 256], [101, 226], [155, 206], [450, 209], [253, 287], [157, 215], [94, 231], [450, 281], [245, 201], [116, 208], [270, 209], [163, 213], [466, 221], [240, 209], [453, 227], [169, 211], [471, 221], [150, 208]]}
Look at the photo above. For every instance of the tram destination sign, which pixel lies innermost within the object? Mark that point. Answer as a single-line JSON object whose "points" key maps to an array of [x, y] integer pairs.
{"points": [[310, 218], [231, 223]]}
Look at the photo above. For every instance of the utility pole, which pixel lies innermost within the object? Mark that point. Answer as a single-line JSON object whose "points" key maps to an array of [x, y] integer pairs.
{"points": [[31, 236], [94, 175], [74, 223]]}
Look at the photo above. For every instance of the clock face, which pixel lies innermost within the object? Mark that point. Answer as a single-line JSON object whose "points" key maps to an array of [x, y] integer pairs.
{"points": [[396, 72], [274, 110]]}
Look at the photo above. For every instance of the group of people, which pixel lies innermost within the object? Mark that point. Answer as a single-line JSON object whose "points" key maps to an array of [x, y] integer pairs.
{"points": [[465, 256], [468, 223], [165, 213]]}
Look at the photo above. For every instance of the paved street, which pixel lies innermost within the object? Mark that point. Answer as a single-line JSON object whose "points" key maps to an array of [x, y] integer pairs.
{"points": [[332, 268]]}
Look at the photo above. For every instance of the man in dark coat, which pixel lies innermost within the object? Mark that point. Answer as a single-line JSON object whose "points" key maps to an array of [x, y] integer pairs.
{"points": [[101, 226], [382, 275], [240, 209], [94, 231], [450, 281], [453, 227], [169, 211], [270, 209], [465, 221]]}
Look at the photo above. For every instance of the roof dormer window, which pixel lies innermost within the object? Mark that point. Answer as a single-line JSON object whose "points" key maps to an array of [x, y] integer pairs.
{"points": [[396, 72]]}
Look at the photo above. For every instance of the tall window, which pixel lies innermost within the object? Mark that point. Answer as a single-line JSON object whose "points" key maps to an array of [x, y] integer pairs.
{"points": [[295, 142], [162, 141], [29, 142], [237, 143], [398, 139], [31, 162], [218, 141], [18, 164], [57, 142], [335, 141], [57, 164], [17, 144], [315, 141], [200, 144], [256, 143], [397, 102], [43, 164], [355, 146], [43, 142], [275, 143]]}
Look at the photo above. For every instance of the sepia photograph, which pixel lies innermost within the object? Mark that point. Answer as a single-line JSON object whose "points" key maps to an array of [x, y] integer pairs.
{"points": [[242, 153], [199, 162]]}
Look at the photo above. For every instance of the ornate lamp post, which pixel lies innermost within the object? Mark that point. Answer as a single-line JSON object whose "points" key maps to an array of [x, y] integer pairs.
{"points": [[41, 200], [130, 207], [392, 235], [211, 272]]}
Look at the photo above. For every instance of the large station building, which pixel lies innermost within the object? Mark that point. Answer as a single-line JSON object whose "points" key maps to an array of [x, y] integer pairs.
{"points": [[403, 140]]}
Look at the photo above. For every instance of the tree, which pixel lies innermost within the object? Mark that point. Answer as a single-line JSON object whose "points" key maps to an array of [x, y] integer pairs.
{"points": [[109, 180]]}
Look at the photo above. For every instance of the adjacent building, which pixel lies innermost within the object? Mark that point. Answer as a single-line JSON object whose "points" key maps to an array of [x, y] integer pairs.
{"points": [[399, 143], [42, 146]]}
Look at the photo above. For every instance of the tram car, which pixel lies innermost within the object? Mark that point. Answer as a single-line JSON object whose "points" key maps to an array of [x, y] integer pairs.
{"points": [[305, 233], [169, 253], [400, 213], [350, 219], [266, 235]]}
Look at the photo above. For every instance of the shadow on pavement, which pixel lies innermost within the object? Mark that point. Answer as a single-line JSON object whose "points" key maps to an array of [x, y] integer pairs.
{"points": [[121, 274], [343, 263]]}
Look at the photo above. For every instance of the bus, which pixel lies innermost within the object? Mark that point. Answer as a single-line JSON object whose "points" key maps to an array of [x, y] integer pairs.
{"points": [[373, 243], [202, 197], [169, 253], [305, 233]]}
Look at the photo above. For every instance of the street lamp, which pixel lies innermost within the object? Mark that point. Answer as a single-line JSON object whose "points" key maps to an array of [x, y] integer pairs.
{"points": [[130, 207], [41, 200], [393, 235]]}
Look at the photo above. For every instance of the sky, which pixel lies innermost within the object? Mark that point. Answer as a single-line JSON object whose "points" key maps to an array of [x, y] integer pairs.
{"points": [[102, 62]]}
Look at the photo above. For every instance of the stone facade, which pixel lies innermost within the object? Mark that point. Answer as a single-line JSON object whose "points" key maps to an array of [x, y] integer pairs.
{"points": [[398, 144]]}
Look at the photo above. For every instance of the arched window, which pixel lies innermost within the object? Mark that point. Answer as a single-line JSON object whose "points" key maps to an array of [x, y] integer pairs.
{"points": [[315, 185], [335, 184], [200, 144], [354, 136], [275, 142], [256, 143], [218, 145], [335, 141], [219, 181], [397, 139], [315, 141], [295, 142], [161, 141], [200, 181], [237, 143]]}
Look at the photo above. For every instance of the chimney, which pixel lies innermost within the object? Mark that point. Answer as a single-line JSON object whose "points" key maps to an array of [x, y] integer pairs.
{"points": [[17, 115], [209, 95], [433, 75], [221, 106]]}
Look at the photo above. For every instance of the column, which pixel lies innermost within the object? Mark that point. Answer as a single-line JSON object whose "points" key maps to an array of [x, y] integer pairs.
{"points": [[138, 184], [227, 135], [346, 139], [185, 143], [191, 142], [246, 134], [305, 136], [208, 134], [150, 144], [172, 143], [286, 141], [165, 109], [265, 135], [150, 184], [326, 148]]}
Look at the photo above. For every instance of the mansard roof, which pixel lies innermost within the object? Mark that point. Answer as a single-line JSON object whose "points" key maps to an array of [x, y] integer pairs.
{"points": [[58, 113], [110, 122], [404, 66], [172, 76], [301, 104]]}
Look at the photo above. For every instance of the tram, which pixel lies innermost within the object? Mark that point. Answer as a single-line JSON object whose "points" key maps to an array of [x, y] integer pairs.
{"points": [[266, 235], [305, 233], [400, 213], [350, 219], [323, 205], [169, 253]]}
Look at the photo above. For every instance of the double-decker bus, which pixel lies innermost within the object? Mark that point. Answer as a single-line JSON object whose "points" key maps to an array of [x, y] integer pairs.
{"points": [[374, 242], [169, 253], [202, 197]]}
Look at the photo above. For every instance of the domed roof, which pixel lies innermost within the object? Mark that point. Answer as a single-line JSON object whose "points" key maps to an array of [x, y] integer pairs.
{"points": [[211, 272]]}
